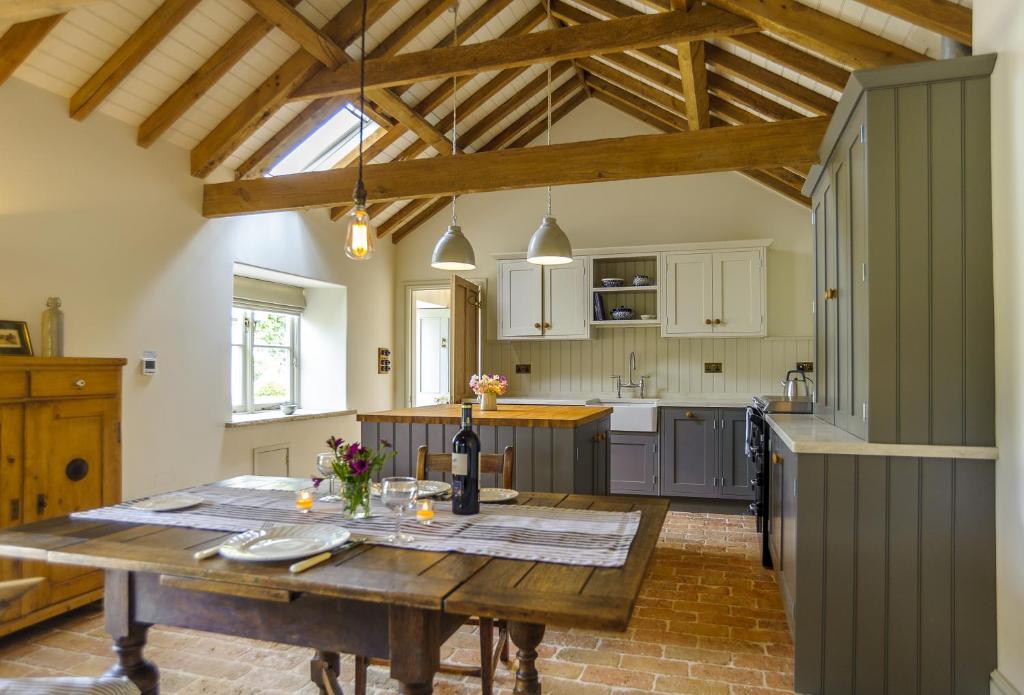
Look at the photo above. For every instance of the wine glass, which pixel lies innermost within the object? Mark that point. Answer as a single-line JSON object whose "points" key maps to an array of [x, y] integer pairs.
{"points": [[325, 467], [398, 494]]}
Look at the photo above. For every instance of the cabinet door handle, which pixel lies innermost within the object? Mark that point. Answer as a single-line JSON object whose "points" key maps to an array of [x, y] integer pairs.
{"points": [[707, 321], [831, 293], [717, 321], [80, 384], [40, 503], [776, 459], [15, 510], [536, 325], [547, 325], [689, 413]]}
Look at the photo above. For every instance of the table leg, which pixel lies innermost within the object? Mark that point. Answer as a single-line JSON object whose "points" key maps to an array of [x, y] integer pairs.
{"points": [[415, 648], [324, 668], [129, 635], [527, 637]]}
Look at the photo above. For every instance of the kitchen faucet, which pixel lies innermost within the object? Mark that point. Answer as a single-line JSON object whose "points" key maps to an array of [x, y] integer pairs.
{"points": [[631, 385]]}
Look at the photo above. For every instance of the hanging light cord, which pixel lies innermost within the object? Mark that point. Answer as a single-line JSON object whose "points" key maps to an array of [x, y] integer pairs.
{"points": [[360, 194], [455, 101], [550, 24]]}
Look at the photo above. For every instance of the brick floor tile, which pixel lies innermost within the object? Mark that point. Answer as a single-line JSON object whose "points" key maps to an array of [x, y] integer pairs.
{"points": [[588, 656], [689, 686], [617, 677]]}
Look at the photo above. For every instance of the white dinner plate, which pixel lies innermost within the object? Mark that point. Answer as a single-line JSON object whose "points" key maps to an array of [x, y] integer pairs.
{"points": [[283, 542], [168, 503], [497, 494], [424, 488]]}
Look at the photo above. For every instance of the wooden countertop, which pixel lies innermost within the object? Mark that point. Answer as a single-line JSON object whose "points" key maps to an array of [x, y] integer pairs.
{"points": [[558, 416]]}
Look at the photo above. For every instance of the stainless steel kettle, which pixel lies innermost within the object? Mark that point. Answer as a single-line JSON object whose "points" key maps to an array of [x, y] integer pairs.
{"points": [[797, 386]]}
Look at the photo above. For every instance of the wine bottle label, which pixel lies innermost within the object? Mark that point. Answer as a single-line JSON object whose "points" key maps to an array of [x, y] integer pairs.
{"points": [[460, 464]]}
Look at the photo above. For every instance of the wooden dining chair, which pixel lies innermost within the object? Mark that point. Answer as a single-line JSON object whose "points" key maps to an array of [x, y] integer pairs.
{"points": [[490, 651]]}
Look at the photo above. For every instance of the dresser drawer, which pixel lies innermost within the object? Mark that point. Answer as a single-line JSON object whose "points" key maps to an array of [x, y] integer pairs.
{"points": [[84, 382], [13, 384]]}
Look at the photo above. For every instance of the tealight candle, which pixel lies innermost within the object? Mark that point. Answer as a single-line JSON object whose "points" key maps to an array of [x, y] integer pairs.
{"points": [[425, 511], [304, 500]]}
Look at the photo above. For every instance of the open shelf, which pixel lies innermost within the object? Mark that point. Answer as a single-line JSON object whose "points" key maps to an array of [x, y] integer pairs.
{"points": [[628, 288], [630, 323]]}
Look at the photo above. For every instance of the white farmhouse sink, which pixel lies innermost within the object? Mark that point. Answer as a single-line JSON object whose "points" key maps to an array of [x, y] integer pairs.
{"points": [[633, 417]]}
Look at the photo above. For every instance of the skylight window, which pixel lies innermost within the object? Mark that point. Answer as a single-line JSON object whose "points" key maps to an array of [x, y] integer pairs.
{"points": [[326, 145]]}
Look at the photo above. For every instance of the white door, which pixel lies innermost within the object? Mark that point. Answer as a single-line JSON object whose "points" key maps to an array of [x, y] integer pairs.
{"points": [[431, 356], [738, 304], [519, 299], [689, 306], [566, 300]]}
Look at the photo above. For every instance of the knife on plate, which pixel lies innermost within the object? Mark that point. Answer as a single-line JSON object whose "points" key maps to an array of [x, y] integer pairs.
{"points": [[310, 562]]}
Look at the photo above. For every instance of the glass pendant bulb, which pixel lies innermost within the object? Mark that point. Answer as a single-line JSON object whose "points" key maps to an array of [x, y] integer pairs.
{"points": [[360, 236]]}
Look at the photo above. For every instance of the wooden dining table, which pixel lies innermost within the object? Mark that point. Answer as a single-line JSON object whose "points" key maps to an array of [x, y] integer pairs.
{"points": [[373, 601]]}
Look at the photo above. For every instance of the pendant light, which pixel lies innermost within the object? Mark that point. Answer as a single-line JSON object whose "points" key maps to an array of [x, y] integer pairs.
{"points": [[549, 245], [360, 235], [453, 250]]}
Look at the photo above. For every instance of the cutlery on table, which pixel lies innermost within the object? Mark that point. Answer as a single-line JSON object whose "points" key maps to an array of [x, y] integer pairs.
{"points": [[310, 562]]}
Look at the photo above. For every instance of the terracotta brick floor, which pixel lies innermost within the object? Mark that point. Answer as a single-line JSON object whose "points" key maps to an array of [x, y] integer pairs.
{"points": [[709, 621]]}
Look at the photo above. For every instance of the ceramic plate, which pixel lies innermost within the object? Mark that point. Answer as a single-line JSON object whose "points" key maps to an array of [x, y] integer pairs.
{"points": [[168, 503], [426, 488], [283, 542], [497, 494]]}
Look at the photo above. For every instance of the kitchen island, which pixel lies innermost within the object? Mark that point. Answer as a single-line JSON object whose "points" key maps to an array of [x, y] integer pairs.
{"points": [[557, 448]]}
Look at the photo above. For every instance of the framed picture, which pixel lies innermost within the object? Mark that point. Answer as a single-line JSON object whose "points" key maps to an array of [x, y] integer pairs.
{"points": [[14, 339]]}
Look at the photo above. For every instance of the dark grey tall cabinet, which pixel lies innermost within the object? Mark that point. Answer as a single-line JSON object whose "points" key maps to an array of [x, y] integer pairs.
{"points": [[901, 209]]}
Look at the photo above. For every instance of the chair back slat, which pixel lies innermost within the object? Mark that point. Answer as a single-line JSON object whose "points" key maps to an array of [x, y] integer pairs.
{"points": [[503, 463]]}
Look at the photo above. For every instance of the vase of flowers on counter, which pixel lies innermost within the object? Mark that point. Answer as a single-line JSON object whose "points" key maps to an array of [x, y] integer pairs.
{"points": [[489, 387], [355, 466]]}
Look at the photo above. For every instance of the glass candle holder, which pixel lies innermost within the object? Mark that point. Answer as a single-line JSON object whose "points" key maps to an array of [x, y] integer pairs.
{"points": [[304, 499], [425, 511]]}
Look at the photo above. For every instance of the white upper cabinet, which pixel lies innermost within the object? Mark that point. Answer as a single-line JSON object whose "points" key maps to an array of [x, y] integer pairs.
{"points": [[543, 301], [566, 300], [714, 293]]}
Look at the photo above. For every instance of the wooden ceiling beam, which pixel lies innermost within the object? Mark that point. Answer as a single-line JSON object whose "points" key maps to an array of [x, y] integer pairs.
{"points": [[693, 74], [813, 67], [670, 119], [645, 156], [731, 65], [941, 16], [400, 231], [20, 40], [246, 118], [833, 38], [285, 17], [539, 47], [19, 11], [128, 56], [768, 181]]}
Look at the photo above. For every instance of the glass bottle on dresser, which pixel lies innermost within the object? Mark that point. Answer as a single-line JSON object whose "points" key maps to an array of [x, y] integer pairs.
{"points": [[466, 466]]}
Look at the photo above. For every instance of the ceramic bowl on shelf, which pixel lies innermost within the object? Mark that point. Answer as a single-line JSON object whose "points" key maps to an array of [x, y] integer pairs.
{"points": [[641, 281], [288, 408], [622, 313], [612, 282], [648, 317]]}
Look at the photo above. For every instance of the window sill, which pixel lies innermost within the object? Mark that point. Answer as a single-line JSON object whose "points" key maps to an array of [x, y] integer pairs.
{"points": [[268, 417]]}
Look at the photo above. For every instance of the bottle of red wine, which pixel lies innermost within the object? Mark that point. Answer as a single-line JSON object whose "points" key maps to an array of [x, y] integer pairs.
{"points": [[466, 466]]}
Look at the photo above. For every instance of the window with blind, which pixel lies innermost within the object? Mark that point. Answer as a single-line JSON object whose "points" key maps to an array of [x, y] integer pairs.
{"points": [[265, 347]]}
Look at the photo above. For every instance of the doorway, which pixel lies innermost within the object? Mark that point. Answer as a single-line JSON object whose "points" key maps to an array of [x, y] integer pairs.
{"points": [[431, 319]]}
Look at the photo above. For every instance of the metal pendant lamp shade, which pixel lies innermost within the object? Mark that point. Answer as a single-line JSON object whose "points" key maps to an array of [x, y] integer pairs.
{"points": [[453, 251], [549, 245]]}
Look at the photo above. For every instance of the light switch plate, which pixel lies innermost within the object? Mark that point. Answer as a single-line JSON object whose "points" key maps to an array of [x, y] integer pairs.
{"points": [[805, 366], [712, 367], [522, 369]]}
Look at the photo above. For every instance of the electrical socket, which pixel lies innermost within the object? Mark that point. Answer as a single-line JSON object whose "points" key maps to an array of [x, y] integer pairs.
{"points": [[712, 367], [805, 366], [522, 369]]}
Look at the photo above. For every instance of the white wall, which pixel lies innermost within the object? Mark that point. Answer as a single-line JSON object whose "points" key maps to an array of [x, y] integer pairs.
{"points": [[999, 28], [116, 231], [706, 207]]}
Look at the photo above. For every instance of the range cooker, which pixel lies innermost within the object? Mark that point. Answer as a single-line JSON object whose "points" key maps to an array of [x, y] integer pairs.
{"points": [[757, 446]]}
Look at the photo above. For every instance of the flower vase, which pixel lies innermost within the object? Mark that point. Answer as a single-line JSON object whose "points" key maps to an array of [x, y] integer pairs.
{"points": [[488, 401], [356, 494]]}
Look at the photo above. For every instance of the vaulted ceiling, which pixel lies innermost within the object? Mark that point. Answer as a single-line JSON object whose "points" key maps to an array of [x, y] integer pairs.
{"points": [[240, 83]]}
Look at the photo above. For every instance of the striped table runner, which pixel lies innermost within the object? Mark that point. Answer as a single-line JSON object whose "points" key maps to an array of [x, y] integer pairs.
{"points": [[539, 534]]}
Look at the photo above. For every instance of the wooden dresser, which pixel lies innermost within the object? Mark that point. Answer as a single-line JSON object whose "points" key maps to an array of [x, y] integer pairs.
{"points": [[60, 451]]}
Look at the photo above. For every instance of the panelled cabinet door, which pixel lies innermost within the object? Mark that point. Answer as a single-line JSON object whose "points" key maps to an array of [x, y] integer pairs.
{"points": [[566, 300], [738, 306], [11, 462], [689, 306], [520, 310], [71, 455], [737, 469], [634, 460], [689, 452], [824, 389]]}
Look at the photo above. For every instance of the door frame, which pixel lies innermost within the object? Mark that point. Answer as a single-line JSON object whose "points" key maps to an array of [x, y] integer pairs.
{"points": [[409, 315]]}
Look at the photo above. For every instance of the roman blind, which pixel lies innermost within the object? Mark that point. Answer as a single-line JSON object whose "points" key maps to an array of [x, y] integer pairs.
{"points": [[262, 295]]}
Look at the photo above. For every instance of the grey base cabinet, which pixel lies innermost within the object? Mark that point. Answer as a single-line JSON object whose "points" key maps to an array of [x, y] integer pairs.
{"points": [[634, 463], [702, 453], [547, 459], [886, 566]]}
